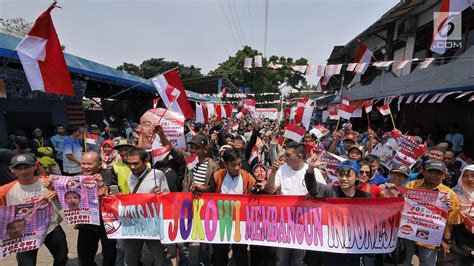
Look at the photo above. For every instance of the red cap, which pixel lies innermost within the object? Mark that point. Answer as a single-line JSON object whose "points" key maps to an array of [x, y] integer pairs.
{"points": [[350, 136]]}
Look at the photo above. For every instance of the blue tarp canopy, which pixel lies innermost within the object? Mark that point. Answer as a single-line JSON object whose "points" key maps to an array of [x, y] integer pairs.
{"points": [[86, 67]]}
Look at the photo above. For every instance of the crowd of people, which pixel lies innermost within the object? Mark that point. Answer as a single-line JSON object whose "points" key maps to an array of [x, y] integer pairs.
{"points": [[248, 159]]}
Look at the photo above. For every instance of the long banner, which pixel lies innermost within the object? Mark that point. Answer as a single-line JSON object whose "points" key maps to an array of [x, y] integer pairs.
{"points": [[333, 225], [23, 227], [424, 216]]}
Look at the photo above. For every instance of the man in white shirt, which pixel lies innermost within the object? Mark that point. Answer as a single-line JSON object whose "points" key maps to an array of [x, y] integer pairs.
{"points": [[288, 179], [144, 180]]}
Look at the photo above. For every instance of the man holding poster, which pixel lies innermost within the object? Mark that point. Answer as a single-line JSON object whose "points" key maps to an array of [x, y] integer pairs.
{"points": [[435, 172], [29, 189]]}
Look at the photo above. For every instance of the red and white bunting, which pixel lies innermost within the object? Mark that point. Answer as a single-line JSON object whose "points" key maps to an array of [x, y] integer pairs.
{"points": [[444, 95], [351, 67], [294, 132], [309, 69], [320, 70], [210, 110], [201, 113], [424, 98], [402, 64], [361, 68], [332, 70], [418, 98], [160, 153], [384, 110], [463, 94], [410, 99], [471, 99], [434, 98], [368, 106], [426, 63], [258, 60], [191, 161], [274, 66], [363, 57], [400, 99], [382, 64], [299, 68]]}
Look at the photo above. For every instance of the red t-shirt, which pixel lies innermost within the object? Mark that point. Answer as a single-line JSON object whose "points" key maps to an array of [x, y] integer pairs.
{"points": [[373, 190]]}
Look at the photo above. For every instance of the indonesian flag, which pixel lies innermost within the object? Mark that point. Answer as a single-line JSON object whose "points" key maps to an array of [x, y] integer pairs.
{"points": [[294, 132], [201, 113], [42, 58], [351, 67], [309, 69], [160, 153], [258, 60], [223, 111], [345, 111], [171, 90], [242, 113], [301, 102], [332, 70], [363, 58], [299, 68], [368, 106], [253, 155], [90, 138], [210, 110], [250, 104], [322, 84], [191, 161], [382, 64], [384, 110], [402, 64], [293, 112], [320, 70], [234, 125], [443, 26], [319, 131], [346, 100], [334, 115], [303, 115], [155, 102], [274, 66]]}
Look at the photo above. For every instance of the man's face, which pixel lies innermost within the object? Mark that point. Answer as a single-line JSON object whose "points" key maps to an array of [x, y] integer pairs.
{"points": [[238, 144], [307, 137], [60, 130], [374, 166], [398, 178], [72, 200], [123, 152], [348, 143], [433, 177], [346, 178], [449, 158], [228, 140], [15, 229], [136, 165], [436, 155], [292, 159], [193, 148], [146, 130], [24, 171], [90, 165], [233, 167], [38, 133], [355, 155]]}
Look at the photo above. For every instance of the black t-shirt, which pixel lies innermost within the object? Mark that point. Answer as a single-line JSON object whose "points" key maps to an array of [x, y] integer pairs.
{"points": [[358, 194]]}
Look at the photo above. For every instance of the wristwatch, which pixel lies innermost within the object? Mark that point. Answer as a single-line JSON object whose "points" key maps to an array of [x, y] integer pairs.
{"points": [[447, 241]]}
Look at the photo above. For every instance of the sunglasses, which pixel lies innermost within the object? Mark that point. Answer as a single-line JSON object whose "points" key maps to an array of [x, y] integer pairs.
{"points": [[364, 172]]}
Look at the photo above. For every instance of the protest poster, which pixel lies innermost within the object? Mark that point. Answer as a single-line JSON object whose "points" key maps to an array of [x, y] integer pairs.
{"points": [[24, 227], [78, 198], [360, 225], [270, 113], [331, 161], [172, 123], [424, 216]]}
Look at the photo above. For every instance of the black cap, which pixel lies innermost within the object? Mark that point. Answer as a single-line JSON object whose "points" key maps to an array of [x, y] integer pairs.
{"points": [[25, 158], [400, 168], [199, 140], [436, 165]]}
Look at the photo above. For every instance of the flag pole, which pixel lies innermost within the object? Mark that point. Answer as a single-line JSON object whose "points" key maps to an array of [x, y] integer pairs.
{"points": [[281, 148], [85, 143], [136, 85], [368, 120], [337, 125], [393, 121]]}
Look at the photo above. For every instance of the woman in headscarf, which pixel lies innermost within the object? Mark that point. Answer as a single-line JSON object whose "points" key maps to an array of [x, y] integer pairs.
{"points": [[108, 154]]}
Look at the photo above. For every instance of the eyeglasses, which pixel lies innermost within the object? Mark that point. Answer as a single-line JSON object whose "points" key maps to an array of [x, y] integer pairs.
{"points": [[364, 172]]}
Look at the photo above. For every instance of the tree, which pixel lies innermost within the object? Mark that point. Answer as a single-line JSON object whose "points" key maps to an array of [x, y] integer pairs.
{"points": [[262, 79], [155, 66], [17, 27]]}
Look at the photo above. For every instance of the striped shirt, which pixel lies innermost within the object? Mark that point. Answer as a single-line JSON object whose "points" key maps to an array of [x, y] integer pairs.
{"points": [[199, 173]]}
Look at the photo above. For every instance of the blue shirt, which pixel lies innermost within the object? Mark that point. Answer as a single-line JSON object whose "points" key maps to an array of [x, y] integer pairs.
{"points": [[74, 148], [58, 143], [378, 179]]}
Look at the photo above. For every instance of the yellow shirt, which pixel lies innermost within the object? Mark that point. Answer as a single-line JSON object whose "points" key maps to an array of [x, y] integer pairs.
{"points": [[454, 214]]}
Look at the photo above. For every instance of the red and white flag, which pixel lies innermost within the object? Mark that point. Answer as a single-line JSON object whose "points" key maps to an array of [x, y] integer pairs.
{"points": [[346, 100], [309, 69], [258, 60], [351, 67], [250, 104], [210, 110], [363, 58], [319, 131], [368, 106], [234, 125], [274, 66], [299, 68], [382, 64], [426, 63], [253, 155], [42, 58], [201, 113], [402, 64], [301, 102], [172, 93], [248, 62], [160, 153], [90, 139], [294, 132], [191, 161], [446, 14], [322, 84], [242, 113], [320, 70], [332, 70], [334, 115], [303, 115], [384, 109], [345, 111], [155, 102]]}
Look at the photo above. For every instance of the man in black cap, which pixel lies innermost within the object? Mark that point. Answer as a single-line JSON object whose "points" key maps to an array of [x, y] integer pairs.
{"points": [[28, 188]]}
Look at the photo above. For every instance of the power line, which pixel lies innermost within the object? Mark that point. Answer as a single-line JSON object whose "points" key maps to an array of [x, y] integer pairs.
{"points": [[250, 21], [267, 3], [235, 18], [228, 24]]}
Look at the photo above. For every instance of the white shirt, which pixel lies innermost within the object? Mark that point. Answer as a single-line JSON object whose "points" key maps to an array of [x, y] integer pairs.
{"points": [[232, 185], [291, 182], [457, 139], [158, 179]]}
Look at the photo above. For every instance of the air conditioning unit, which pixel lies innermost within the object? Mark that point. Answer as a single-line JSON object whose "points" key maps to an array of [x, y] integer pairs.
{"points": [[407, 28]]}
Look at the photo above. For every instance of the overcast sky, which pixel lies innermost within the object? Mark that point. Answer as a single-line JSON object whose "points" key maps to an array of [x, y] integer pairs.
{"points": [[196, 32]]}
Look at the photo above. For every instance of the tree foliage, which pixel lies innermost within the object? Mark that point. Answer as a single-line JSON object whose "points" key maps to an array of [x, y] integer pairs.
{"points": [[155, 66], [262, 79], [17, 27]]}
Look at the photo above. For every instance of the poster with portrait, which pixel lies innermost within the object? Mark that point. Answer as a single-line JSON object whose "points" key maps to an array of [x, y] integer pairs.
{"points": [[23, 227], [172, 123], [78, 198]]}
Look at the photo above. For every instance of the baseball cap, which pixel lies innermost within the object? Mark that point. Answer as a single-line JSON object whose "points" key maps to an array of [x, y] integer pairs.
{"points": [[350, 136], [123, 143], [349, 164], [435, 165], [93, 127], [25, 158], [400, 168], [241, 138], [199, 140], [357, 147]]}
